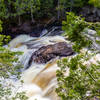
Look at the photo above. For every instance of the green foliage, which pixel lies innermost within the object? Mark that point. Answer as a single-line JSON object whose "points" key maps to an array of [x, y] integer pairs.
{"points": [[16, 9], [26, 6], [63, 4], [73, 3], [46, 7], [3, 38], [9, 66], [73, 27], [0, 26], [7, 58], [10, 8], [96, 3], [7, 70], [83, 82], [3, 10], [20, 96], [69, 5]]}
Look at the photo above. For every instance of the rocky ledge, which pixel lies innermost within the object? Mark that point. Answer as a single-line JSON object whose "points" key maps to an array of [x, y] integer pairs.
{"points": [[46, 53]]}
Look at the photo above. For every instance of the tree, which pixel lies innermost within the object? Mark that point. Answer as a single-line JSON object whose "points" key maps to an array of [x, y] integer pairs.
{"points": [[20, 6], [69, 5], [13, 9], [33, 6], [0, 26], [3, 9], [96, 3]]}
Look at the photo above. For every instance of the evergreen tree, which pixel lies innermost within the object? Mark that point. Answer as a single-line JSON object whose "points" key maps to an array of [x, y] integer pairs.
{"points": [[20, 6], [3, 9], [32, 7]]}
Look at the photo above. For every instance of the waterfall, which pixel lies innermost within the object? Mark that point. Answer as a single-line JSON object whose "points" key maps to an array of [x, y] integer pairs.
{"points": [[39, 79]]}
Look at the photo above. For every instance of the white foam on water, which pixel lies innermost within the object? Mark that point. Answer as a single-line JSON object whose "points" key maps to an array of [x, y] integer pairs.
{"points": [[36, 71]]}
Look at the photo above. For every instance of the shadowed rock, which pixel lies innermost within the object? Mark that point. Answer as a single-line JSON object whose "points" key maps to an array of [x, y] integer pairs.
{"points": [[91, 14], [46, 53]]}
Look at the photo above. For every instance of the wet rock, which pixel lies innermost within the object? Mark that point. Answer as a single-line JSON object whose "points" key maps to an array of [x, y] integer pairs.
{"points": [[46, 53], [90, 32], [53, 31], [26, 27], [98, 12]]}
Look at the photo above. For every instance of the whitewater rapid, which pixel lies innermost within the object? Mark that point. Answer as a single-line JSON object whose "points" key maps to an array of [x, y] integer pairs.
{"points": [[39, 79]]}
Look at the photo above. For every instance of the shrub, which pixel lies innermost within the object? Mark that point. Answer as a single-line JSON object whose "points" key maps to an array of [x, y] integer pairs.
{"points": [[9, 69], [74, 28], [83, 82]]}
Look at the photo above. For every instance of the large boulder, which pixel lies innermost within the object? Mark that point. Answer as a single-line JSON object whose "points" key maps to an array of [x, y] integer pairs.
{"points": [[46, 53]]}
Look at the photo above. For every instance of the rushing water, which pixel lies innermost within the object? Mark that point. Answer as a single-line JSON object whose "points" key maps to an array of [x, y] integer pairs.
{"points": [[39, 79]]}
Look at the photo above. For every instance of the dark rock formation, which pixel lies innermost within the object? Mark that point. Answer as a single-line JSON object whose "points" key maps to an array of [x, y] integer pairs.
{"points": [[46, 53], [26, 27], [90, 13]]}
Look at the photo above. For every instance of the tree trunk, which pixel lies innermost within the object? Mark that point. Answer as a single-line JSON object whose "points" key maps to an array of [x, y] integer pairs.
{"points": [[19, 20], [58, 15], [71, 7], [63, 11], [32, 15]]}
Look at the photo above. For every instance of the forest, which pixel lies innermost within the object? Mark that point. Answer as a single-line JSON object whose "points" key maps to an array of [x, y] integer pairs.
{"points": [[49, 49]]}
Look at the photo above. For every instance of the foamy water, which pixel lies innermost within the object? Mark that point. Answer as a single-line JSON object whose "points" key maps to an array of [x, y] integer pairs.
{"points": [[39, 79]]}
